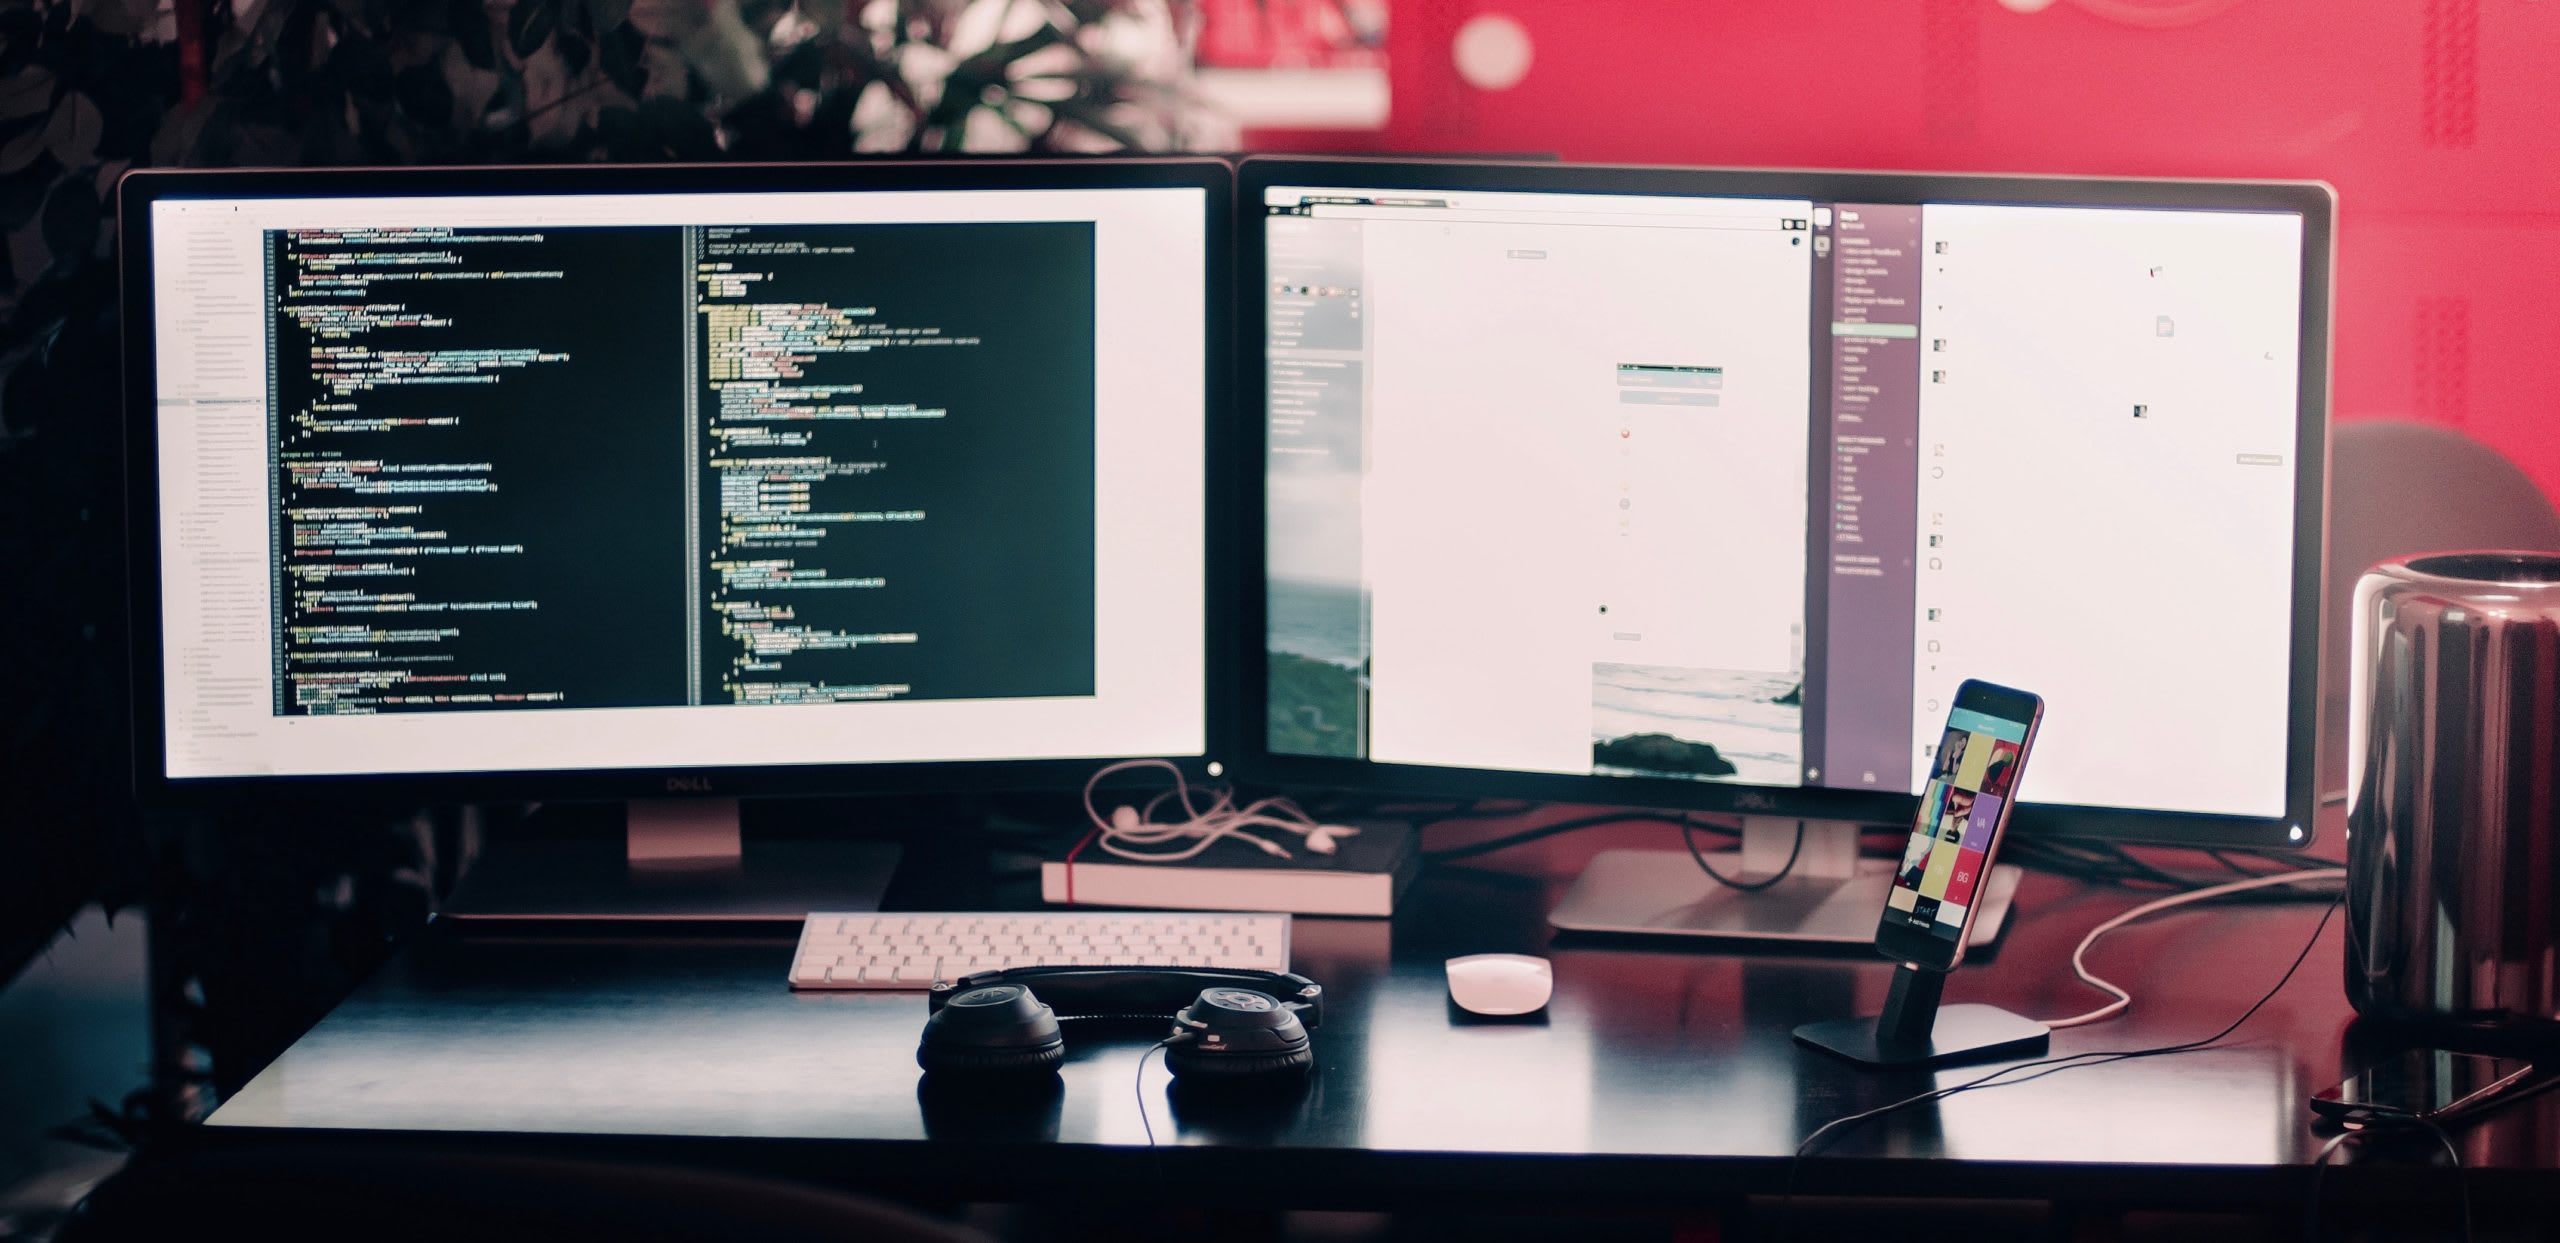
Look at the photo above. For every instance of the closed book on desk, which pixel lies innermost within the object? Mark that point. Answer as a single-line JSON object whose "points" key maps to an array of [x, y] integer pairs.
{"points": [[1363, 876]]}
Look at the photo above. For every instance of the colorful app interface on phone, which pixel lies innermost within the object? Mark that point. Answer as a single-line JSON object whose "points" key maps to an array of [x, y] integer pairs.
{"points": [[1971, 773]]}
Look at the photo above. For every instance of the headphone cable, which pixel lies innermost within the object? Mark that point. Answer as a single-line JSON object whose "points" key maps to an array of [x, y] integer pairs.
{"points": [[2320, 1168], [1141, 1089]]}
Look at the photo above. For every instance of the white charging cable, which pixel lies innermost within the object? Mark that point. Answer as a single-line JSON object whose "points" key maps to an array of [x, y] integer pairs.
{"points": [[2123, 999], [1135, 833]]}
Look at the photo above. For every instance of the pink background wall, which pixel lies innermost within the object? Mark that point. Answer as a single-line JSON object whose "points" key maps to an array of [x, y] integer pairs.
{"points": [[2437, 120]]}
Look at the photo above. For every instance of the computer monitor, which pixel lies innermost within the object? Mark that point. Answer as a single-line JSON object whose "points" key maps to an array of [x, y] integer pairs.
{"points": [[1703, 489], [699, 481]]}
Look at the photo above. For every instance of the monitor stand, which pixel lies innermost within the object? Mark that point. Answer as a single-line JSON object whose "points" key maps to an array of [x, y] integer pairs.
{"points": [[680, 859], [1832, 896]]}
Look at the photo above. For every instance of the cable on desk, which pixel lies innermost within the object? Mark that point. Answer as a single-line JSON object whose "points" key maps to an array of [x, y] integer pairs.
{"points": [[2123, 999], [1579, 823], [1544, 831], [2320, 1169], [2053, 1065], [2113, 865], [1143, 1122], [1743, 886], [2319, 1172], [2461, 1179]]}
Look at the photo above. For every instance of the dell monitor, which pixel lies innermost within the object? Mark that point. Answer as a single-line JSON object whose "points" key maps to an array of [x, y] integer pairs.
{"points": [[674, 481], [1704, 490]]}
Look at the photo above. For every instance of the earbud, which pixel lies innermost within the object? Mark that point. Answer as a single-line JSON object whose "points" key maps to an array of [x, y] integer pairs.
{"points": [[1134, 832]]}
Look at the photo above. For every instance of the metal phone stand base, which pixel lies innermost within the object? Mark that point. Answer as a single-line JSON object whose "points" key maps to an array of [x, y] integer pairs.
{"points": [[1915, 1031], [679, 860]]}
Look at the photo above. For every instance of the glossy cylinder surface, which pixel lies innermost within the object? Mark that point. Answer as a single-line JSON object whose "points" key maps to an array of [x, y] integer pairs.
{"points": [[2453, 862]]}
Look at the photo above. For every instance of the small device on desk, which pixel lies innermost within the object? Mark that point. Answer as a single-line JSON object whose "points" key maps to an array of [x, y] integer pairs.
{"points": [[908, 951], [1500, 985], [2421, 1085], [1973, 782]]}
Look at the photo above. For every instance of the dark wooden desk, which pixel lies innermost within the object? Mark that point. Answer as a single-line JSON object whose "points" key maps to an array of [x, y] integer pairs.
{"points": [[1659, 1078]]}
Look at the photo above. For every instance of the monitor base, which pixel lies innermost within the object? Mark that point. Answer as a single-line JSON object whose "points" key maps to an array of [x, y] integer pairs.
{"points": [[1838, 902], [680, 860]]}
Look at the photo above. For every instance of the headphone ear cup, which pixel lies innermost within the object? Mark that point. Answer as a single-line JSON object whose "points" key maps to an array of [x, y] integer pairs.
{"points": [[997, 1030], [1037, 1059], [1230, 1034], [1187, 1061]]}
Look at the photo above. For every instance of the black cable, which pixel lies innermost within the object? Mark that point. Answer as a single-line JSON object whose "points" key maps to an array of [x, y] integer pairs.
{"points": [[1143, 1122], [1742, 886], [2056, 1065], [2319, 1171], [1541, 832], [2233, 865], [2112, 862], [2385, 1126], [2151, 871], [2461, 1180], [2112, 865]]}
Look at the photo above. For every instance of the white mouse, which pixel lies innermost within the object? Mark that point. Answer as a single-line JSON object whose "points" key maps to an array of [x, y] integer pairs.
{"points": [[1500, 984]]}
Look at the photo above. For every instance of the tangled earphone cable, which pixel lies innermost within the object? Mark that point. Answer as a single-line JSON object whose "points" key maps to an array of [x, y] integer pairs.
{"points": [[1134, 832]]}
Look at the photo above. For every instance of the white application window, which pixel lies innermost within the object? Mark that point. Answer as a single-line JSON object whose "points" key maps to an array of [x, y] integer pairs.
{"points": [[2107, 421], [1584, 504]]}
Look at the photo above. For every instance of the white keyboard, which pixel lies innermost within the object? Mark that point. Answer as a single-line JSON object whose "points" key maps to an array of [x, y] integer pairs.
{"points": [[909, 951]]}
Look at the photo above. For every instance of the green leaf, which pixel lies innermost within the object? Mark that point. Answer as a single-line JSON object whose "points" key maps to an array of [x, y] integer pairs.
{"points": [[74, 132], [26, 93], [573, 52], [530, 23], [22, 149]]}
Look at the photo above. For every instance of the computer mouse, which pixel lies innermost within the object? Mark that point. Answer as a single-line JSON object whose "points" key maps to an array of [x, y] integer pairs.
{"points": [[1500, 984]]}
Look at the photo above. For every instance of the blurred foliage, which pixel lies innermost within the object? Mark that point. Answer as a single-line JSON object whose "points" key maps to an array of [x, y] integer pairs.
{"points": [[90, 88]]}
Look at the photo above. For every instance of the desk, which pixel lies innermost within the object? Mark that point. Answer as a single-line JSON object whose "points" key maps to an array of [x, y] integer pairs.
{"points": [[1661, 1079]]}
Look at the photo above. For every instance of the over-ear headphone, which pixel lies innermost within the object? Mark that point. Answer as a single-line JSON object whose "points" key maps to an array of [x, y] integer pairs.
{"points": [[1227, 1024]]}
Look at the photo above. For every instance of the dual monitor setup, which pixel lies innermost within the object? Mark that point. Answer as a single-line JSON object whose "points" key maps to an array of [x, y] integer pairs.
{"points": [[1688, 489]]}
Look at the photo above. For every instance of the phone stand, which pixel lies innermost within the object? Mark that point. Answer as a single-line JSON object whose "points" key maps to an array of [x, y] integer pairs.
{"points": [[1915, 1031]]}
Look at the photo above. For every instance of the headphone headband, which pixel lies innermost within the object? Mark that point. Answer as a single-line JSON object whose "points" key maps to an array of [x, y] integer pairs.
{"points": [[1089, 991]]}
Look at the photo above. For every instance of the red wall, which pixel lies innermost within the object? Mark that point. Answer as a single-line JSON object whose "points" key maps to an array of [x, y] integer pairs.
{"points": [[2437, 120]]}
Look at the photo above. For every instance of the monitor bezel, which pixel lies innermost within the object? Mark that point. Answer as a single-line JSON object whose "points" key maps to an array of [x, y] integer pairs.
{"points": [[2315, 202], [138, 190]]}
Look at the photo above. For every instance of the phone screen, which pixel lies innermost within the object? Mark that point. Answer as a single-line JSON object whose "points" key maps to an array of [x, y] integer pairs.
{"points": [[2421, 1084], [1972, 771]]}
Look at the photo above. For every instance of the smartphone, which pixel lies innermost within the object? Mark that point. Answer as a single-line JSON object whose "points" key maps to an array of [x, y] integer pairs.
{"points": [[2420, 1085], [1974, 770]]}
